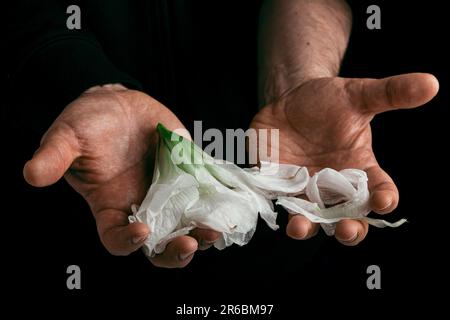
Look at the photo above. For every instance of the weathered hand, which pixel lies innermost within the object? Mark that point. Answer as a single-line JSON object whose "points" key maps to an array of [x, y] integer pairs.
{"points": [[325, 122], [103, 144]]}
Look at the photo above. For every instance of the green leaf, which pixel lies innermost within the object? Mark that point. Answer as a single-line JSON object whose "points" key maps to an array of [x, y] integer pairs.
{"points": [[186, 155]]}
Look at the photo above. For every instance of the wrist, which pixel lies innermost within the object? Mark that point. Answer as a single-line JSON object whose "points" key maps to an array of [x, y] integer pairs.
{"points": [[281, 80]]}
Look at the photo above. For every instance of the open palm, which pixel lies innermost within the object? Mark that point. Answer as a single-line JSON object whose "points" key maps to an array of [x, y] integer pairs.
{"points": [[103, 144], [325, 122]]}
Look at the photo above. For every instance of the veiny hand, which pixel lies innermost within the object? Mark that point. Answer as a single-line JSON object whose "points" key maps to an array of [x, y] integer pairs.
{"points": [[325, 122], [103, 144]]}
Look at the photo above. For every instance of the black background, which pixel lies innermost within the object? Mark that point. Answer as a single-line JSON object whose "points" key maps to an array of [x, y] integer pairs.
{"points": [[46, 230]]}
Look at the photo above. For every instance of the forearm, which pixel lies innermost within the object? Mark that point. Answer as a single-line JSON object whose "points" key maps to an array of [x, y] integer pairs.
{"points": [[300, 40]]}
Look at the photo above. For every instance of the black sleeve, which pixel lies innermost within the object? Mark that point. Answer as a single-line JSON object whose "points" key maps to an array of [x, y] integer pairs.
{"points": [[49, 62]]}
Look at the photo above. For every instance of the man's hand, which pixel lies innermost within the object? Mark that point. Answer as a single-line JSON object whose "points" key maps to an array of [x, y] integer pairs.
{"points": [[325, 122], [103, 144]]}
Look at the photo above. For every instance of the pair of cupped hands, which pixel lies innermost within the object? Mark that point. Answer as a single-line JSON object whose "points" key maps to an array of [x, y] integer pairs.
{"points": [[103, 144]]}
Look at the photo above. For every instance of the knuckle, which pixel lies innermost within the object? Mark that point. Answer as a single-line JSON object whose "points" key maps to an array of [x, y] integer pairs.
{"points": [[113, 248], [116, 251]]}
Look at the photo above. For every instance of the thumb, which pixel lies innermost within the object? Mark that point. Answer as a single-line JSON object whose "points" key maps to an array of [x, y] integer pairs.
{"points": [[59, 148], [402, 91]]}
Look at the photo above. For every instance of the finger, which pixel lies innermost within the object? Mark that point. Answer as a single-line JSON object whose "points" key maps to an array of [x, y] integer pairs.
{"points": [[59, 148], [300, 228], [119, 236], [384, 195], [205, 237], [403, 91], [179, 252], [351, 232]]}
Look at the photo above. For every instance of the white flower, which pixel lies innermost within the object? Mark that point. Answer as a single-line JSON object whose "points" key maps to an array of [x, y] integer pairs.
{"points": [[191, 189], [334, 196]]}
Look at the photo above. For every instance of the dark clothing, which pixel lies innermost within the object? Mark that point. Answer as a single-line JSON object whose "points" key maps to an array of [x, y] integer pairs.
{"points": [[200, 64], [196, 57]]}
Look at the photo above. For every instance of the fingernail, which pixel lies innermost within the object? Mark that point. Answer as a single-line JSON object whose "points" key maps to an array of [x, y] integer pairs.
{"points": [[351, 239], [302, 235], [381, 201], [203, 245], [184, 256], [386, 206], [136, 240]]}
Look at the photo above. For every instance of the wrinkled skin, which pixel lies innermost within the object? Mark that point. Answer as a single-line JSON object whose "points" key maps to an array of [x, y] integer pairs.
{"points": [[325, 122], [103, 144]]}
